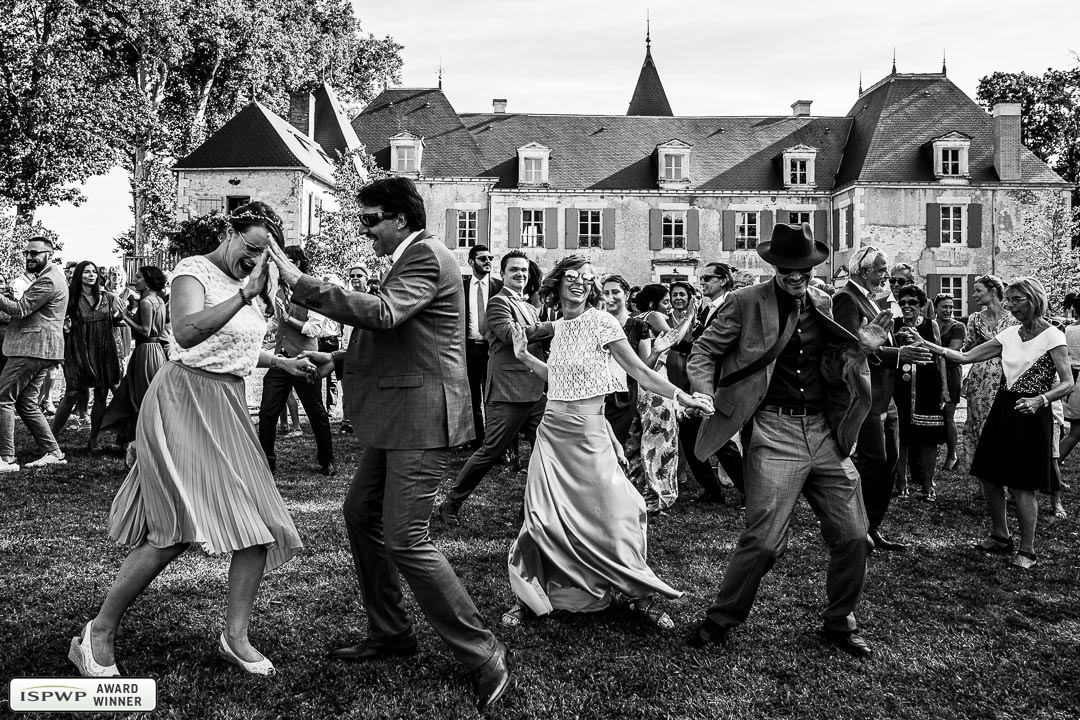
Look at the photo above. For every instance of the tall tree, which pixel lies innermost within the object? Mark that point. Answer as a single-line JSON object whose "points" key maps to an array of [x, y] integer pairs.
{"points": [[59, 120]]}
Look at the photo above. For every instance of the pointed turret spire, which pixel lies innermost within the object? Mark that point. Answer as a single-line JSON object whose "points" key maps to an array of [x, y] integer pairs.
{"points": [[894, 60], [860, 82], [649, 97], [943, 70], [440, 72]]}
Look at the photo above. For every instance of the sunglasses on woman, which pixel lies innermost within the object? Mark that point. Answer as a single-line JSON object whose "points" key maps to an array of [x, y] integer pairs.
{"points": [[908, 303], [572, 277], [898, 281]]}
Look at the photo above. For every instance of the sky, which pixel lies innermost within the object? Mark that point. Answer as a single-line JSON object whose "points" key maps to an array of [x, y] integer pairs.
{"points": [[718, 57]]}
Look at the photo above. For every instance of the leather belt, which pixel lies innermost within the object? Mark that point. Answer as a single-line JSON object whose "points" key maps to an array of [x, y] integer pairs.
{"points": [[476, 342], [801, 411]]}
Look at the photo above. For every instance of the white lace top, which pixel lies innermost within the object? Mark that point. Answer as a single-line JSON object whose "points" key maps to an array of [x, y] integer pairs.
{"points": [[234, 349], [1019, 357], [579, 364]]}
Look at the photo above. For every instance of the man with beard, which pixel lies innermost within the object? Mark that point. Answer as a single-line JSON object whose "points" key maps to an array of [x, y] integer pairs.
{"points": [[480, 287], [33, 344]]}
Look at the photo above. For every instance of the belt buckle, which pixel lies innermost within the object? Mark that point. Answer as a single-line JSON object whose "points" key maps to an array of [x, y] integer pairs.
{"points": [[797, 412]]}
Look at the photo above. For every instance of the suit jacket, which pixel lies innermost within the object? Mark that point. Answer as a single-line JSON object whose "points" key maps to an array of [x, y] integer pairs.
{"points": [[850, 308], [37, 318], [494, 286], [509, 379], [405, 374], [744, 329]]}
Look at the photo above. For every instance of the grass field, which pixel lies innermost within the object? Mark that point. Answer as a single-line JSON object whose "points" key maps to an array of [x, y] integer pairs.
{"points": [[956, 633]]}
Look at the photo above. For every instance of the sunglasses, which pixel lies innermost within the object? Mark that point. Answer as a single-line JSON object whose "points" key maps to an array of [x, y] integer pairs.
{"points": [[370, 220], [908, 303], [898, 281], [789, 271], [34, 253], [573, 277], [484, 258], [357, 277], [707, 278]]}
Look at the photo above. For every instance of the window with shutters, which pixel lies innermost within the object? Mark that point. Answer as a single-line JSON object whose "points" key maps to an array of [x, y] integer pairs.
{"points": [[590, 228], [673, 229], [954, 285], [798, 218], [205, 206], [951, 156], [746, 230], [798, 166], [843, 225], [533, 164], [952, 224], [466, 228], [532, 228], [406, 153]]}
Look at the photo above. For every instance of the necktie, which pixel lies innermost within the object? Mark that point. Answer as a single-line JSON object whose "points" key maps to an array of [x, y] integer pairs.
{"points": [[481, 310]]}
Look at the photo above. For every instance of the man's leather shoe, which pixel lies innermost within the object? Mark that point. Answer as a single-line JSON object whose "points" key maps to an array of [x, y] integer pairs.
{"points": [[880, 543], [372, 650], [491, 679], [849, 642], [328, 469], [448, 513], [708, 633]]}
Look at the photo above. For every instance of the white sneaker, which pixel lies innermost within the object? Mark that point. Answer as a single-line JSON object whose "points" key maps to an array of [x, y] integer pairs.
{"points": [[47, 459], [8, 466]]}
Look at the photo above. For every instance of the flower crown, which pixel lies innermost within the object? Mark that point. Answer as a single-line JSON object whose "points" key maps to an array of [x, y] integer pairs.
{"points": [[251, 216]]}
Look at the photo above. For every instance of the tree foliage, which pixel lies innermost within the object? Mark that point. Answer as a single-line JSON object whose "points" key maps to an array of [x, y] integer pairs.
{"points": [[14, 233], [198, 235], [1045, 225]]}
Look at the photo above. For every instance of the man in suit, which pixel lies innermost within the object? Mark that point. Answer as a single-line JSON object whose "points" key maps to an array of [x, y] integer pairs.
{"points": [[34, 343], [797, 385], [405, 373], [514, 395], [853, 305], [480, 287]]}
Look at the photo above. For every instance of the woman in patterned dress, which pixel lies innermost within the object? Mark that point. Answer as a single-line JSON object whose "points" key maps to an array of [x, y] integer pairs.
{"points": [[952, 336], [981, 384], [584, 535], [1015, 450], [199, 474]]}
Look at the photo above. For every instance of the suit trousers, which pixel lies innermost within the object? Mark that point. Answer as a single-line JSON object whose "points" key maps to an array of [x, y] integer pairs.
{"points": [[387, 514], [275, 392], [875, 470], [788, 456], [729, 457], [20, 386], [504, 421], [892, 438], [476, 365]]}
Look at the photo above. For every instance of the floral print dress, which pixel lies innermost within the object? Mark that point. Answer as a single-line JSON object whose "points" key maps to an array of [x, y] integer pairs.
{"points": [[981, 384]]}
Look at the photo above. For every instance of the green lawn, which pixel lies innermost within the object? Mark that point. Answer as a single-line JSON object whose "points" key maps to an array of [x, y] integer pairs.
{"points": [[956, 634]]}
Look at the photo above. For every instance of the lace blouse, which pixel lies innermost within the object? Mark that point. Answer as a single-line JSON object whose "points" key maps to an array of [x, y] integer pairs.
{"points": [[234, 349], [579, 364], [1027, 367]]}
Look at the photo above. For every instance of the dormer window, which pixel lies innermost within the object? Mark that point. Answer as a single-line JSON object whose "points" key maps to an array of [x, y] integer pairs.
{"points": [[533, 164], [673, 164], [406, 154], [798, 166], [951, 156]]}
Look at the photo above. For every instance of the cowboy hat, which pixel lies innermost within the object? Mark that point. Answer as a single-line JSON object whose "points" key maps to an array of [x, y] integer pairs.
{"points": [[793, 246]]}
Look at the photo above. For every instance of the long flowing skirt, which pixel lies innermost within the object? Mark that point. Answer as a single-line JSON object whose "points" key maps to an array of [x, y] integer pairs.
{"points": [[980, 387], [584, 535], [654, 454], [123, 411], [200, 475]]}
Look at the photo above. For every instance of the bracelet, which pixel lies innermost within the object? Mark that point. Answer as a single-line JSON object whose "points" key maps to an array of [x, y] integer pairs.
{"points": [[675, 396], [1046, 400], [243, 300]]}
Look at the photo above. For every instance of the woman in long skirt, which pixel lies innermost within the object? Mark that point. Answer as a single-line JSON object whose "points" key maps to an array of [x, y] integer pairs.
{"points": [[584, 535], [199, 475]]}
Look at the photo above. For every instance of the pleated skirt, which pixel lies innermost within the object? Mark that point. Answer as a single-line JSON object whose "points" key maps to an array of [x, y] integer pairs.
{"points": [[200, 475], [584, 535]]}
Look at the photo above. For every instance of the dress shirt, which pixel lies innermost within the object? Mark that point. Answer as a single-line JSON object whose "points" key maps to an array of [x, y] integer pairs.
{"points": [[866, 294], [400, 249], [796, 379], [474, 311], [714, 305]]}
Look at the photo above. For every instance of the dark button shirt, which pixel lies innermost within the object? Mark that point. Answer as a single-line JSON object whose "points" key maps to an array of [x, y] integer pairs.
{"points": [[290, 341], [796, 379]]}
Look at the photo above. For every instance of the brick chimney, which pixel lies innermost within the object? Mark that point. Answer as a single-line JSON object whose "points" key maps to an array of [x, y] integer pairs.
{"points": [[801, 108], [499, 105], [1007, 141], [302, 112]]}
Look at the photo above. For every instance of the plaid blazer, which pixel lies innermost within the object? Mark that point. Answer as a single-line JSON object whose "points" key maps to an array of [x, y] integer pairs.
{"points": [[37, 318], [404, 375]]}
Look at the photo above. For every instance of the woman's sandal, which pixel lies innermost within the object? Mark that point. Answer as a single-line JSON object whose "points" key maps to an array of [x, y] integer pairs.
{"points": [[1024, 560], [514, 616], [645, 607], [996, 545]]}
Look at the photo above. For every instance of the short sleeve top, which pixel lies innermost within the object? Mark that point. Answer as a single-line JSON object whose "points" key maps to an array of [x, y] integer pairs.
{"points": [[1072, 339], [235, 348], [1027, 366], [579, 364]]}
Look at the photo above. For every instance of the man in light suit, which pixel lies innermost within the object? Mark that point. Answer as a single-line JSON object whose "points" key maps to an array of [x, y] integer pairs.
{"points": [[479, 288], [34, 343], [408, 401], [514, 395], [799, 385], [853, 305]]}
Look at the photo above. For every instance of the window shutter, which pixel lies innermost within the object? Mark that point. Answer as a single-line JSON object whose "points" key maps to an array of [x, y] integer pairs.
{"points": [[551, 228], [821, 226], [974, 228], [933, 225], [607, 229], [693, 230], [933, 286], [972, 306], [482, 227], [727, 240], [836, 229], [850, 239], [451, 228], [571, 229], [656, 229], [513, 227], [765, 225]]}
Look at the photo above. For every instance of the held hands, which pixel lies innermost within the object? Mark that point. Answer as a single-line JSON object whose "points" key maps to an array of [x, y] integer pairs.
{"points": [[288, 273], [300, 367], [323, 361], [700, 404], [918, 353]]}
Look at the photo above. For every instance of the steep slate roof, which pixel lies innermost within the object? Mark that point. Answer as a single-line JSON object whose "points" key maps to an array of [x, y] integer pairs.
{"points": [[333, 131], [649, 97], [257, 138], [619, 152], [449, 150], [895, 119]]}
